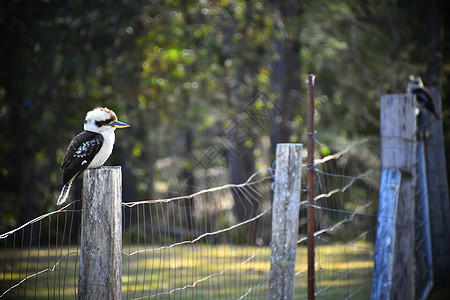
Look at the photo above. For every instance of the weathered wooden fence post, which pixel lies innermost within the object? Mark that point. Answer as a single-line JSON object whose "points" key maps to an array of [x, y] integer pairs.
{"points": [[437, 192], [101, 235], [424, 252], [285, 220], [398, 152]]}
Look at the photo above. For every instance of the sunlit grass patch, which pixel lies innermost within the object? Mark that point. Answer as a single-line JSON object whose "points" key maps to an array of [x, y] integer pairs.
{"points": [[189, 272]]}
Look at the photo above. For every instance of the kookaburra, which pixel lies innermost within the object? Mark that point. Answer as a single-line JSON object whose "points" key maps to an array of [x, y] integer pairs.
{"points": [[91, 148], [423, 95]]}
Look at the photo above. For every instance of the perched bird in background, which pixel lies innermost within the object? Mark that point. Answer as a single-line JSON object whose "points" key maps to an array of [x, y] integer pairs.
{"points": [[423, 95], [91, 148]]}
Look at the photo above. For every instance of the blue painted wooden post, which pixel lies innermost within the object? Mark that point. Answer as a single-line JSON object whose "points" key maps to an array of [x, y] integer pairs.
{"points": [[386, 234]]}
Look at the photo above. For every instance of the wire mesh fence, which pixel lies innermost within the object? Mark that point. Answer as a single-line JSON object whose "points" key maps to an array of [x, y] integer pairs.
{"points": [[40, 259], [193, 247], [196, 247], [346, 204]]}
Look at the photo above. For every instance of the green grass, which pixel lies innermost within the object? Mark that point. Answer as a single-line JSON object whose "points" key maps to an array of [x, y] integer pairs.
{"points": [[190, 272]]}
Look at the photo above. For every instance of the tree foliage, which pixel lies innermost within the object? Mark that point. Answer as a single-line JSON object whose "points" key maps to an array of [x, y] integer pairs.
{"points": [[193, 79]]}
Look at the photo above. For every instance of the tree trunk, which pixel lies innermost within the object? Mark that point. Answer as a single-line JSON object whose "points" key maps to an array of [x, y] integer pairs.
{"points": [[287, 74], [20, 122], [435, 42], [240, 153], [187, 176]]}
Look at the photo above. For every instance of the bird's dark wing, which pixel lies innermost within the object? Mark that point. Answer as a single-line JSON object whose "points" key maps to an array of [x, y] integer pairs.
{"points": [[423, 95], [80, 153]]}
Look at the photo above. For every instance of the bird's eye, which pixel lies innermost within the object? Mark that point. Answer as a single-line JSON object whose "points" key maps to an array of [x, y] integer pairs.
{"points": [[100, 123]]}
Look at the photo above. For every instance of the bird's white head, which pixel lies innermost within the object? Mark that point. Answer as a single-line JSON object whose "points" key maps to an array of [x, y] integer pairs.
{"points": [[102, 119], [414, 82]]}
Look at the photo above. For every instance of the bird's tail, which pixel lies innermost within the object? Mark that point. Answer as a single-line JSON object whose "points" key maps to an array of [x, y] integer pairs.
{"points": [[64, 193]]}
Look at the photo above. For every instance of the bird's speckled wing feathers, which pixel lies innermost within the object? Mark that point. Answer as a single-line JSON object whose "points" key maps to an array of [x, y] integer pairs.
{"points": [[80, 153]]}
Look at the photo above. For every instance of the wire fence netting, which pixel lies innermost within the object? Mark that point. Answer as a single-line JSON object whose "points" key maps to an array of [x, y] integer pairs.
{"points": [[200, 246]]}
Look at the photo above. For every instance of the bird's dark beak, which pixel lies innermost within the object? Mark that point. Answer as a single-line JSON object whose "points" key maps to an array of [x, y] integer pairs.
{"points": [[118, 124]]}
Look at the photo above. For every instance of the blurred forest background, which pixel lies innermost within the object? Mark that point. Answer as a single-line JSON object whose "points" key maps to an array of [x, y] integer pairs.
{"points": [[209, 87]]}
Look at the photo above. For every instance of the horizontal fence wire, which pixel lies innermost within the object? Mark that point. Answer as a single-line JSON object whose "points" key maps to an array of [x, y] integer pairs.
{"points": [[199, 246]]}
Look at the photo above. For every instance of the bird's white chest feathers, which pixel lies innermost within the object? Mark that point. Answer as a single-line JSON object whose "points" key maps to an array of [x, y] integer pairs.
{"points": [[105, 151]]}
